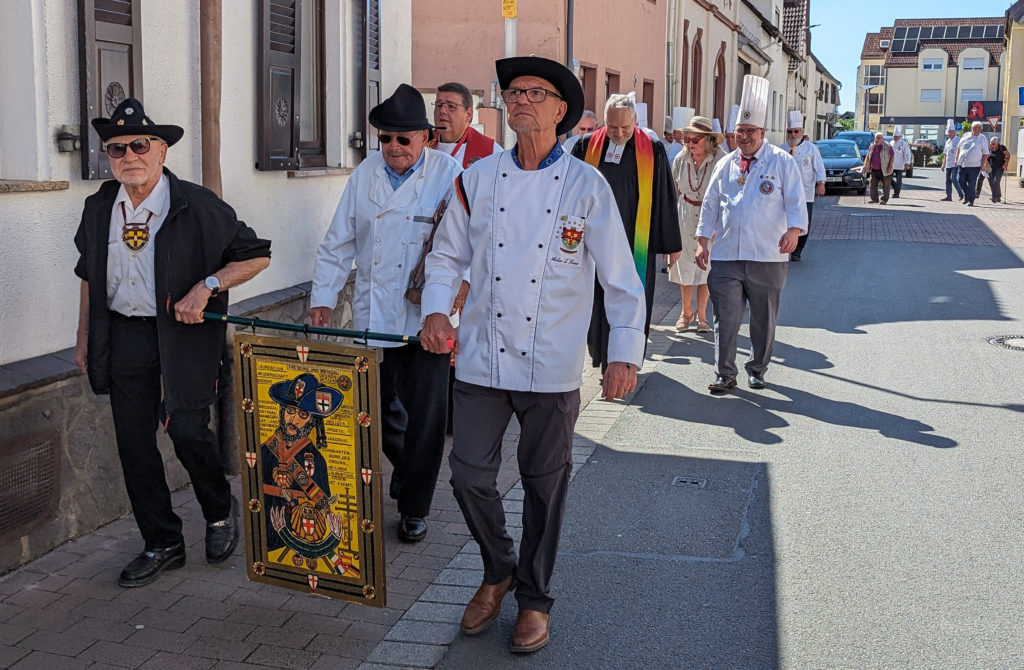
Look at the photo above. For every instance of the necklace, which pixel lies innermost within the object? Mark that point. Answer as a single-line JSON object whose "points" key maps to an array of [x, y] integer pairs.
{"points": [[702, 174]]}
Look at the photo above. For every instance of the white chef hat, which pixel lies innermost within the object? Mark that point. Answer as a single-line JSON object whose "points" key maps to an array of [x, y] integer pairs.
{"points": [[897, 131], [641, 114], [716, 126], [950, 125], [734, 113], [681, 117], [668, 124], [754, 101], [794, 119]]}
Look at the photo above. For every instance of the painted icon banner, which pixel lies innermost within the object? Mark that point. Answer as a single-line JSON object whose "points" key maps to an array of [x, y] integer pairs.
{"points": [[309, 446]]}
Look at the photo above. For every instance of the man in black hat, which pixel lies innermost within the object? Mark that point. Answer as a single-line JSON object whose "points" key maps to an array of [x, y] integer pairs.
{"points": [[383, 220], [155, 252], [535, 226]]}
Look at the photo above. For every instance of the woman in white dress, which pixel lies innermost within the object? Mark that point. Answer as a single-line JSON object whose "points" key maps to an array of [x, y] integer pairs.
{"points": [[691, 170]]}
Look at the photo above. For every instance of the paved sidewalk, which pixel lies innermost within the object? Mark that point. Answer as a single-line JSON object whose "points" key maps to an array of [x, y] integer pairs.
{"points": [[65, 609]]}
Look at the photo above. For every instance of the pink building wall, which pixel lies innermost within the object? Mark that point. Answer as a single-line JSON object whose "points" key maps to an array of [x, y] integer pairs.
{"points": [[459, 41]]}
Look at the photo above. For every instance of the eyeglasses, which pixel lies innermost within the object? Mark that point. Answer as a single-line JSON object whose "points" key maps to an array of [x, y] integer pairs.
{"points": [[536, 95], [448, 106], [794, 132], [292, 411], [401, 139], [138, 146], [693, 140], [746, 131]]}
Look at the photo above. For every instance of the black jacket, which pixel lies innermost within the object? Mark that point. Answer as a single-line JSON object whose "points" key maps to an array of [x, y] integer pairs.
{"points": [[200, 235]]}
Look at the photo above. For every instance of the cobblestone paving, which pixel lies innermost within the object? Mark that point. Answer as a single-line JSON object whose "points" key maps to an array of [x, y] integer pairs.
{"points": [[919, 215]]}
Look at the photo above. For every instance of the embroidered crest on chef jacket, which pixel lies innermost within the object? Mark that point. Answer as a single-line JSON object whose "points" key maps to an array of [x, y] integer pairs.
{"points": [[570, 239], [767, 187]]}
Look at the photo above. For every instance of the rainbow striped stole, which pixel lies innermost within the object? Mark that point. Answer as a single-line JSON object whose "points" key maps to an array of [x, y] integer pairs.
{"points": [[645, 183]]}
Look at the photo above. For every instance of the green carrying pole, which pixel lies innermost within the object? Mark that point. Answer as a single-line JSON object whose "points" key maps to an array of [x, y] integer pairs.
{"points": [[314, 330]]}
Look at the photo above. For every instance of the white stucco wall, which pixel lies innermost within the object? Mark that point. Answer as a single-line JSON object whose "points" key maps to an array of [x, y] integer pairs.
{"points": [[38, 290]]}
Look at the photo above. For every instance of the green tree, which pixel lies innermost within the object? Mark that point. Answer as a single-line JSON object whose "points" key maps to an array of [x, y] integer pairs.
{"points": [[846, 124]]}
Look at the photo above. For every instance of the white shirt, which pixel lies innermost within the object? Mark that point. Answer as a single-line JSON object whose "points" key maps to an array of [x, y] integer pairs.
{"points": [[812, 168], [383, 231], [752, 217], [972, 150], [524, 327], [902, 154], [950, 150], [131, 280]]}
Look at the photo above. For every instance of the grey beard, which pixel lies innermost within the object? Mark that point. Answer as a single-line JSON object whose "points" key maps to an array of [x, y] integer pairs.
{"points": [[793, 141]]}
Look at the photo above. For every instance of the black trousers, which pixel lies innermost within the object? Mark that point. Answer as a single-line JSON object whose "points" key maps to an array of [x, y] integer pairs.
{"points": [[414, 404], [897, 182], [135, 394], [546, 423], [802, 240]]}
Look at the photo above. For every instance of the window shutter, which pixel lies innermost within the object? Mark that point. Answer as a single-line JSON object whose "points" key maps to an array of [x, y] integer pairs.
{"points": [[110, 69], [371, 72], [277, 118]]}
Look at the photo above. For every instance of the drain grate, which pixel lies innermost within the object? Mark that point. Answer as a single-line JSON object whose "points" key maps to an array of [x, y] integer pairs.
{"points": [[29, 483], [690, 482], [1014, 342]]}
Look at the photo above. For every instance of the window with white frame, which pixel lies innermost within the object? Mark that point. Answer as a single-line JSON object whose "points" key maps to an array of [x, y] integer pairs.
{"points": [[933, 63], [974, 63], [970, 94], [931, 95]]}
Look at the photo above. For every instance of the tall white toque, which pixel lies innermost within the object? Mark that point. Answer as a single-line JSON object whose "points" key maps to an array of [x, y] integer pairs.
{"points": [[668, 124], [794, 119], [641, 114], [681, 117], [753, 101], [716, 126], [950, 125], [897, 131], [734, 113]]}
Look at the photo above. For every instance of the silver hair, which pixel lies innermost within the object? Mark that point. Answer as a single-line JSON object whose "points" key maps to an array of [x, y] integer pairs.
{"points": [[619, 101], [977, 123], [589, 114]]}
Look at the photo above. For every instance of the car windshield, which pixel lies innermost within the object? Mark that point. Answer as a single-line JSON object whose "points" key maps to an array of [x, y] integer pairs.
{"points": [[838, 150], [863, 140]]}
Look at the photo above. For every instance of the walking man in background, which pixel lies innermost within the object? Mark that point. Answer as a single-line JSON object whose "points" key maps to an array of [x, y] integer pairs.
{"points": [[453, 112], [812, 170], [902, 158], [971, 152], [879, 161], [948, 162], [755, 204]]}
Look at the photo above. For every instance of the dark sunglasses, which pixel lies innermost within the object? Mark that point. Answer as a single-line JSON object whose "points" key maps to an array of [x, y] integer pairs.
{"points": [[794, 132], [138, 146], [692, 140], [386, 139]]}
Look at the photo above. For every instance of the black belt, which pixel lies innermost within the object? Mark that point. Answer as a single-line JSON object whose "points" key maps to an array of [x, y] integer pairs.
{"points": [[118, 316]]}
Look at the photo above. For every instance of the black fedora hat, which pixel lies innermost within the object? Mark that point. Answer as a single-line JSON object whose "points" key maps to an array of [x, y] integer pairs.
{"points": [[129, 118], [403, 111], [561, 77]]}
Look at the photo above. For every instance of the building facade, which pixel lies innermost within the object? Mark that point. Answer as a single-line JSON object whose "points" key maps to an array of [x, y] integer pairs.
{"points": [[920, 72], [461, 44], [297, 79], [1013, 78]]}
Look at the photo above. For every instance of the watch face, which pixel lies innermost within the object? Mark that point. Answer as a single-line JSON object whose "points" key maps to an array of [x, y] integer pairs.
{"points": [[212, 283]]}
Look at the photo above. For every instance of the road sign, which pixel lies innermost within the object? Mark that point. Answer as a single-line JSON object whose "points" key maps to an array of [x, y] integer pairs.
{"points": [[508, 9], [1020, 96], [994, 121]]}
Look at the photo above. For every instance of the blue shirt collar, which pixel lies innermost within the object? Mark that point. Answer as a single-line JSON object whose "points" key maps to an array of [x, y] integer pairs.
{"points": [[399, 179], [550, 159]]}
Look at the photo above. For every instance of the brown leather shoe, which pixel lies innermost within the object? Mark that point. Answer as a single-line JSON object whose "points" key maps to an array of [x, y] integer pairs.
{"points": [[485, 606], [531, 631]]}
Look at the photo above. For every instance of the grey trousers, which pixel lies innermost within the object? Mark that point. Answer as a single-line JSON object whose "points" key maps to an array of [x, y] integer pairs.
{"points": [[545, 462], [734, 284]]}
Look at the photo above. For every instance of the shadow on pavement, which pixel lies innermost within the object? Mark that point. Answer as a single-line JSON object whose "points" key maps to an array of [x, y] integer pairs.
{"points": [[652, 574]]}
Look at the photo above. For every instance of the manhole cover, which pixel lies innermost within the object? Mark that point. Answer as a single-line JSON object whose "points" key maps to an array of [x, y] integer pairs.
{"points": [[1015, 342], [690, 482]]}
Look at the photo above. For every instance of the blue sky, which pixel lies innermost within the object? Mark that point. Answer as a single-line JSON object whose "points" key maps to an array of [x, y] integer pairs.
{"points": [[839, 38]]}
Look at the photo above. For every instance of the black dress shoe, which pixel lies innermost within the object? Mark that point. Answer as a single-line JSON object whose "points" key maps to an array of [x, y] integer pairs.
{"points": [[411, 528], [222, 536], [756, 381], [148, 565], [945, 199], [722, 384]]}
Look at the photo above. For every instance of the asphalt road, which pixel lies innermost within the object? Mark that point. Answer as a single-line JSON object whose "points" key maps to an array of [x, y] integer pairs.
{"points": [[865, 511]]}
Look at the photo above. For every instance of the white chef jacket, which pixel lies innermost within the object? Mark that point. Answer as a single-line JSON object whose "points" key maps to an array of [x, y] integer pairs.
{"points": [[812, 168], [131, 277], [752, 217], [903, 155], [524, 326], [950, 151], [972, 150], [383, 230]]}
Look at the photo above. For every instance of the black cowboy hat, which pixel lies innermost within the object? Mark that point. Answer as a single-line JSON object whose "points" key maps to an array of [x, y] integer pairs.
{"points": [[403, 111], [130, 119], [561, 77], [306, 393]]}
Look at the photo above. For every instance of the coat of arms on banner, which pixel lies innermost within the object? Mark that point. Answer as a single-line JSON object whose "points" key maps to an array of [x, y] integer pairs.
{"points": [[310, 466]]}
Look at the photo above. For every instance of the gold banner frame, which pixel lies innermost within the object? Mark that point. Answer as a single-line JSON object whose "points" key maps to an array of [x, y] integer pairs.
{"points": [[309, 429]]}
